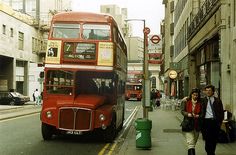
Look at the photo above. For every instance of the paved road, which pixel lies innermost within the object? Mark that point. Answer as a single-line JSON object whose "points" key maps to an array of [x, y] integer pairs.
{"points": [[22, 135]]}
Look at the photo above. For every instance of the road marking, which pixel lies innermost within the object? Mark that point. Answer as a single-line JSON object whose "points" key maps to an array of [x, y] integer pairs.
{"points": [[126, 125], [18, 117], [112, 148], [103, 149], [129, 119]]}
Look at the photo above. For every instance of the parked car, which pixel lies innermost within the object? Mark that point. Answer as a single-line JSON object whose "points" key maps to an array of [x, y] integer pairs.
{"points": [[13, 98]]}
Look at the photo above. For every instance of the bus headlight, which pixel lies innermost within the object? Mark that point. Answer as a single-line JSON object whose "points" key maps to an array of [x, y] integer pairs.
{"points": [[49, 114], [102, 117]]}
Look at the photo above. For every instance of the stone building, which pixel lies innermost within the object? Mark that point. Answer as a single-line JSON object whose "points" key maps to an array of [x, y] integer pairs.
{"points": [[204, 39], [19, 46], [25, 25]]}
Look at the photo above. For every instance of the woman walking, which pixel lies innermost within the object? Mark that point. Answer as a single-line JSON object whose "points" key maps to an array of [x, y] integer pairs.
{"points": [[191, 109]]}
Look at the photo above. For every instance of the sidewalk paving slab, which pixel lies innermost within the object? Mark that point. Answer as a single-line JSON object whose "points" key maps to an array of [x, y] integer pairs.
{"points": [[167, 137], [7, 112]]}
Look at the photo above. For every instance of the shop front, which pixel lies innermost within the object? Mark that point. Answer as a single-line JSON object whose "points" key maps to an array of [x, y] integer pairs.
{"points": [[207, 67]]}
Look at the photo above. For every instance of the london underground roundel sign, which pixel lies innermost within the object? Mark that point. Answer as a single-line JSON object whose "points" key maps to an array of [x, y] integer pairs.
{"points": [[155, 39]]}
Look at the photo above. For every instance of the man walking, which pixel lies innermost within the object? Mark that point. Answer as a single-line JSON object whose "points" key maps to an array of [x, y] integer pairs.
{"points": [[37, 97], [213, 117]]}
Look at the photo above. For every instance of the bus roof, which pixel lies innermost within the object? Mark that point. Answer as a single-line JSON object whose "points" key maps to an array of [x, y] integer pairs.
{"points": [[83, 17]]}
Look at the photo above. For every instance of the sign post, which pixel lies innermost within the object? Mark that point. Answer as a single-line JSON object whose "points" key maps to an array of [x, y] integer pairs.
{"points": [[146, 81]]}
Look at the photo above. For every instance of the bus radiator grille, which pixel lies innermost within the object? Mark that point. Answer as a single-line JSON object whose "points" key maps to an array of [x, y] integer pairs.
{"points": [[76, 119]]}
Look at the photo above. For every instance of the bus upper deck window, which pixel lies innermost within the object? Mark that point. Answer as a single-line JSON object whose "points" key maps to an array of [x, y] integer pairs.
{"points": [[66, 30], [92, 34], [96, 32]]}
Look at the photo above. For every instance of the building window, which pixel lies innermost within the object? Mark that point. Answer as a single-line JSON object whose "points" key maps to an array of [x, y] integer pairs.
{"points": [[3, 29], [153, 82], [202, 75], [41, 45], [108, 10], [11, 31], [21, 41], [33, 45], [38, 45]]}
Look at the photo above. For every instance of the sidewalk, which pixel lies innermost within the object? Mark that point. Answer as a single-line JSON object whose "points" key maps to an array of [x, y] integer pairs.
{"points": [[167, 137], [7, 112]]}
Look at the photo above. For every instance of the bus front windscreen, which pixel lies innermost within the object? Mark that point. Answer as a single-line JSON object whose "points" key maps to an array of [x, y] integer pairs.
{"points": [[137, 87], [134, 87]]}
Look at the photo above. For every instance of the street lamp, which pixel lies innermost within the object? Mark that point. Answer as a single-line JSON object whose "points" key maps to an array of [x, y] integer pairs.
{"points": [[145, 81]]}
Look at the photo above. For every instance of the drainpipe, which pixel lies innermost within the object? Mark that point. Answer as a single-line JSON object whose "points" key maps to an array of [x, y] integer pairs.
{"points": [[37, 10], [23, 7]]}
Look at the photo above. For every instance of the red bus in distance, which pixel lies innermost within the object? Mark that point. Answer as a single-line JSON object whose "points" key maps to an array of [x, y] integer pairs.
{"points": [[85, 75], [133, 88]]}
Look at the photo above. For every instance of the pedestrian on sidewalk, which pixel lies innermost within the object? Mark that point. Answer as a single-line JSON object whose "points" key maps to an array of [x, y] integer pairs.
{"points": [[37, 97], [213, 116], [153, 97], [33, 96], [158, 98], [191, 109]]}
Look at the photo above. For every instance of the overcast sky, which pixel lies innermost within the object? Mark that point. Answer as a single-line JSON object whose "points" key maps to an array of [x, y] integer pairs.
{"points": [[150, 10]]}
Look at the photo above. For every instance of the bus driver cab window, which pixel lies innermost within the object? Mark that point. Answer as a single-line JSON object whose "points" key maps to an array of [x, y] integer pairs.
{"points": [[87, 86], [104, 88]]}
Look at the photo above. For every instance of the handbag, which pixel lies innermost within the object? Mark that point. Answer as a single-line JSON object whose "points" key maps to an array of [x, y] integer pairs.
{"points": [[187, 124]]}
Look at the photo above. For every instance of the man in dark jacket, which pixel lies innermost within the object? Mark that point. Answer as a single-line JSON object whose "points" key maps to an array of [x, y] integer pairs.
{"points": [[213, 116]]}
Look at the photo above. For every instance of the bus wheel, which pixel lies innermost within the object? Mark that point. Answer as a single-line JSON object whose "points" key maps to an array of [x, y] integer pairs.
{"points": [[110, 132], [47, 131]]}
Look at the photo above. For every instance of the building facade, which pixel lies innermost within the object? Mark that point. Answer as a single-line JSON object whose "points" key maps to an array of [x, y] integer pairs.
{"points": [[170, 85], [231, 64], [38, 9], [135, 49], [18, 44], [204, 39], [120, 14], [25, 25]]}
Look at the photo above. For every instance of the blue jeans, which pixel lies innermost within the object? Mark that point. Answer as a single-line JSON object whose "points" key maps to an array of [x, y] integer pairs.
{"points": [[38, 100]]}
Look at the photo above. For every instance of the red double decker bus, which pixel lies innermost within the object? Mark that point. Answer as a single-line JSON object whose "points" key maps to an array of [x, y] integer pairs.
{"points": [[133, 91], [134, 87], [85, 74]]}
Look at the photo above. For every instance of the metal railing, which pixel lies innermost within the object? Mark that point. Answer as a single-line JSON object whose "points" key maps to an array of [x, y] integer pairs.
{"points": [[170, 104]]}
